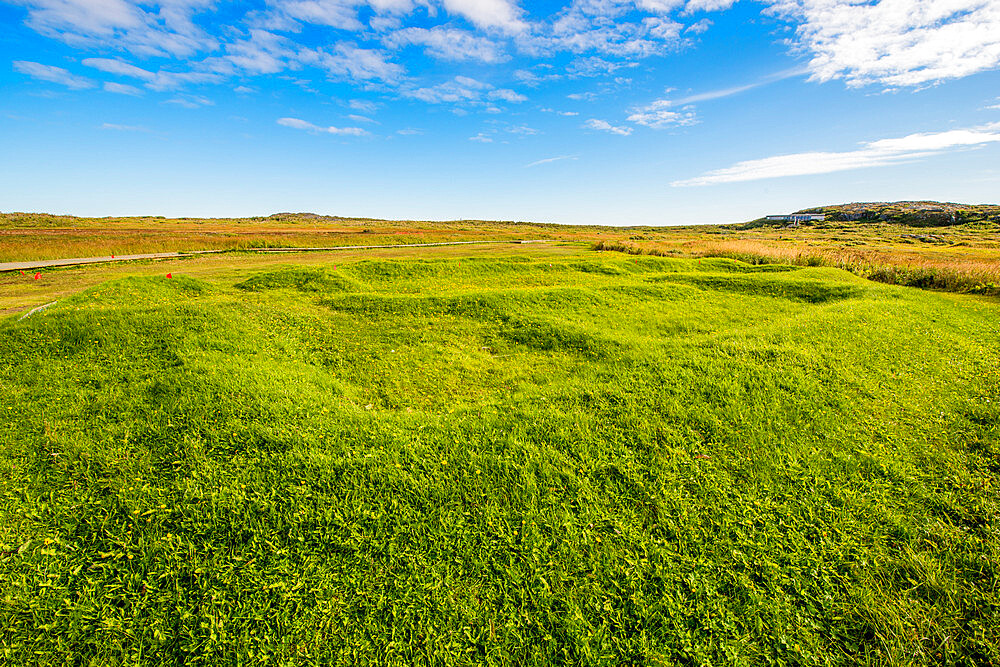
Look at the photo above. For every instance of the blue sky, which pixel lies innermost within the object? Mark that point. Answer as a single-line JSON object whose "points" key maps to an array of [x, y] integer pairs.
{"points": [[589, 111]]}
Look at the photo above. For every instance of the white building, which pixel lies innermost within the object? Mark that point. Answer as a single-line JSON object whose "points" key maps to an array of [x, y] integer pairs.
{"points": [[798, 217]]}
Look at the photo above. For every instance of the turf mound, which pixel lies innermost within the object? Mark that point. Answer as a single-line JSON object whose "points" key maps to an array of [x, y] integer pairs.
{"points": [[300, 279]]}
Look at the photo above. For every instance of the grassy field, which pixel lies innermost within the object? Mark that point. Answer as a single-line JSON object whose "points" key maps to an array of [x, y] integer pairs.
{"points": [[496, 455], [25, 236], [895, 244]]}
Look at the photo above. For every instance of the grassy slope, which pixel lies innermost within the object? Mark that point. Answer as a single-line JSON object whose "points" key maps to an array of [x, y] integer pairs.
{"points": [[509, 460]]}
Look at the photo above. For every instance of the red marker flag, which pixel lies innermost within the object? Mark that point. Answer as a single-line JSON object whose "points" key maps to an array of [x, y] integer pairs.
{"points": [[37, 276], [169, 275], [22, 273], [112, 256]]}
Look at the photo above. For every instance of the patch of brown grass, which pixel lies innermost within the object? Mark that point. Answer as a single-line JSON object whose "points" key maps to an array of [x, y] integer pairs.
{"points": [[970, 269]]}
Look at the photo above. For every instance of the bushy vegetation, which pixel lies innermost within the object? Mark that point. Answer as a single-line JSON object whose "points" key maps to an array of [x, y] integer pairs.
{"points": [[599, 459], [973, 276]]}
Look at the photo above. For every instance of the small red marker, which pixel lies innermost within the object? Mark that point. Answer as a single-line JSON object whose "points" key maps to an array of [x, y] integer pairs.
{"points": [[170, 275], [112, 256], [37, 276], [22, 273]]}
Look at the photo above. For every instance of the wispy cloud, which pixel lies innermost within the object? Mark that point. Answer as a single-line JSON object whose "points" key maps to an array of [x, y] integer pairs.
{"points": [[122, 88], [506, 95], [161, 80], [347, 61], [605, 126], [53, 74], [670, 112], [191, 101], [166, 29], [872, 154], [716, 94], [448, 44], [464, 90], [364, 106], [551, 159], [124, 128], [299, 124], [558, 112]]}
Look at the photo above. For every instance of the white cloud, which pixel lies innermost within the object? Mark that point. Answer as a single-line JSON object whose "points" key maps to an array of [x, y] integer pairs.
{"points": [[448, 44], [262, 53], [461, 89], [522, 130], [717, 94], [608, 27], [122, 88], [191, 101], [699, 27], [664, 113], [159, 81], [596, 66], [333, 13], [660, 115], [896, 42], [299, 124], [551, 159], [365, 106], [53, 74], [250, 40], [558, 112], [500, 14], [169, 30], [605, 126], [119, 67], [659, 6], [123, 128], [872, 154], [693, 6], [482, 138], [348, 61], [506, 95]]}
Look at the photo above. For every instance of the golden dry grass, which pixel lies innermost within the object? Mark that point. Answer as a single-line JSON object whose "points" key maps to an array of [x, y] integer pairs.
{"points": [[958, 268], [25, 237]]}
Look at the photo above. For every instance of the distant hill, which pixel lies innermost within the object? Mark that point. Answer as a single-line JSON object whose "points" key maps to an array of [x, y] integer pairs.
{"points": [[911, 213]]}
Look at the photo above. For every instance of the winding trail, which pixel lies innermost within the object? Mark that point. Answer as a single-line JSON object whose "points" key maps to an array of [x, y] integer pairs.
{"points": [[47, 263]]}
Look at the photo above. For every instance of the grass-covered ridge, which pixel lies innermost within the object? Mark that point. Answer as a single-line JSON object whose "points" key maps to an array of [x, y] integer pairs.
{"points": [[596, 459]]}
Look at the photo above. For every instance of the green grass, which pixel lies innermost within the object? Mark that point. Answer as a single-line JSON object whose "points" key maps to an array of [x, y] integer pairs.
{"points": [[585, 459]]}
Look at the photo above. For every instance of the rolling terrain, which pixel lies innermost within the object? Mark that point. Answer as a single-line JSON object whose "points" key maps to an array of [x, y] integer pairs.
{"points": [[497, 456]]}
